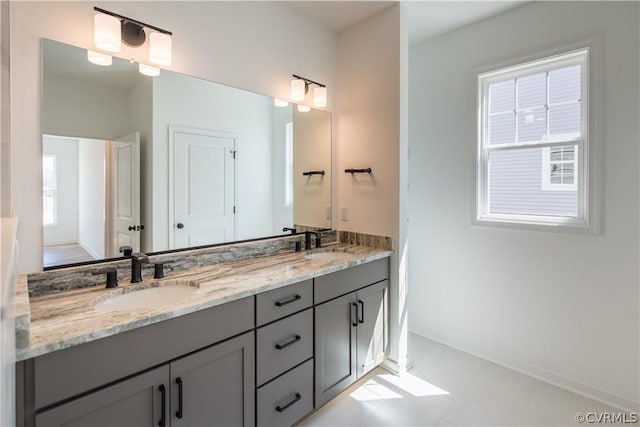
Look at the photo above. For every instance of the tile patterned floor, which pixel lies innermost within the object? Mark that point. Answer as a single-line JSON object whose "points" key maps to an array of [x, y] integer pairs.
{"points": [[447, 387]]}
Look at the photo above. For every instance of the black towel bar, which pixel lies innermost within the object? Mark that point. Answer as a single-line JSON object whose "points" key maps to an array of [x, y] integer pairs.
{"points": [[367, 170]]}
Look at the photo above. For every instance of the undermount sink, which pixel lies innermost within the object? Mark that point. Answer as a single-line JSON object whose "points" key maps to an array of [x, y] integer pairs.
{"points": [[327, 256], [145, 297]]}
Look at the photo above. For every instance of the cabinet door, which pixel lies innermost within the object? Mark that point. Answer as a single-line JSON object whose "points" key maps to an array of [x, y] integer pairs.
{"points": [[372, 334], [134, 402], [335, 338], [215, 385]]}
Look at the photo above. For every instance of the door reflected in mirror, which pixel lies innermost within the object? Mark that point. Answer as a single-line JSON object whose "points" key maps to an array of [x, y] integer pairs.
{"points": [[90, 197], [216, 164]]}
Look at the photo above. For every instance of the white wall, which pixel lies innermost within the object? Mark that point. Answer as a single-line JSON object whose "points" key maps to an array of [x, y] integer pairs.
{"points": [[66, 228], [282, 214], [78, 108], [5, 125], [141, 112], [91, 196], [183, 101], [252, 45], [311, 152], [562, 306], [371, 123]]}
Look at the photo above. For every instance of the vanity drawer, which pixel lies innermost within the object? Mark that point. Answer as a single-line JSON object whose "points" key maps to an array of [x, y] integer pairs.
{"points": [[273, 305], [288, 398], [342, 282], [283, 344]]}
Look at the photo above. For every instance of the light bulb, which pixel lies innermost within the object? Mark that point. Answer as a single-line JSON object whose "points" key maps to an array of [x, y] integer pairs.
{"points": [[99, 58], [148, 70], [106, 32], [280, 102], [298, 87], [303, 108], [320, 96], [160, 48]]}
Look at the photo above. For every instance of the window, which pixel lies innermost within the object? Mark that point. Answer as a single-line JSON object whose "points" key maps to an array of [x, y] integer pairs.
{"points": [[49, 190], [532, 148]]}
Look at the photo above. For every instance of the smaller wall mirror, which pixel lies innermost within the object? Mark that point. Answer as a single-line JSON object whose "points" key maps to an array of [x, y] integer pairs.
{"points": [[170, 162]]}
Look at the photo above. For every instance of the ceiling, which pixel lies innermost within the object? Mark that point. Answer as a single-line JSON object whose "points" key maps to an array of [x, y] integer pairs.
{"points": [[426, 18]]}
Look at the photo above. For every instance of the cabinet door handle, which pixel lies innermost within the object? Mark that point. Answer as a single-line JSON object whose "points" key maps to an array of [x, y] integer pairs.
{"points": [[288, 301], [179, 411], [163, 406], [288, 343], [355, 322], [361, 317], [294, 400]]}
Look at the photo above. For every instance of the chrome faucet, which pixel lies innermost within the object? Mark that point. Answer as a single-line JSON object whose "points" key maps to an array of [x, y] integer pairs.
{"points": [[137, 259], [307, 239]]}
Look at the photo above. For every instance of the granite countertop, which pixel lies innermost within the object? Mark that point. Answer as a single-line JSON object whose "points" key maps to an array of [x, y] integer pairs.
{"points": [[53, 322]]}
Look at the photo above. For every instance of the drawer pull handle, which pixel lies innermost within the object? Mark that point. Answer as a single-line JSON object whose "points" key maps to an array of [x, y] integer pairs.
{"points": [[163, 406], [288, 343], [294, 400], [179, 411], [355, 322], [288, 301], [361, 317]]}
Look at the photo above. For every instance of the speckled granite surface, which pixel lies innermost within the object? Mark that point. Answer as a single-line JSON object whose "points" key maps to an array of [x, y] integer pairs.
{"points": [[66, 279], [64, 319]]}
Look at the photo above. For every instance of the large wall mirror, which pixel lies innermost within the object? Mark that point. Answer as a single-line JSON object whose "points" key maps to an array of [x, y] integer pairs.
{"points": [[170, 161]]}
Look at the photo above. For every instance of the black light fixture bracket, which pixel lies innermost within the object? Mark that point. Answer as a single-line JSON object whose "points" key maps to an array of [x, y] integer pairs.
{"points": [[307, 82], [132, 30]]}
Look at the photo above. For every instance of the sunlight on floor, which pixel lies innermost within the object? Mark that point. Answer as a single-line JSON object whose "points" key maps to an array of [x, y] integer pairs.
{"points": [[413, 385], [375, 390]]}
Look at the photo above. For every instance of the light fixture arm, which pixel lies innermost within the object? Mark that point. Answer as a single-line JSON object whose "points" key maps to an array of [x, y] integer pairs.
{"points": [[307, 82], [125, 19]]}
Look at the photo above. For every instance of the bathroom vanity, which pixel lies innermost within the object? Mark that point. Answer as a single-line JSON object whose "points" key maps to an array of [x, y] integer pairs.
{"points": [[262, 341]]}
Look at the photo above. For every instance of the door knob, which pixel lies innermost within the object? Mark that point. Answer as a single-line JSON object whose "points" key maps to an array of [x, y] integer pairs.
{"points": [[132, 228], [180, 225], [136, 227]]}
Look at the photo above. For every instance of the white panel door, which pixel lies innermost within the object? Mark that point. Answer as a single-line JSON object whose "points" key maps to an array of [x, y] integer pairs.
{"points": [[203, 188], [125, 188]]}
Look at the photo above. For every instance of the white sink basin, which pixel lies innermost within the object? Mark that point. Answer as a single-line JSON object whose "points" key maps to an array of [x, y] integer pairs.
{"points": [[149, 297], [327, 256]]}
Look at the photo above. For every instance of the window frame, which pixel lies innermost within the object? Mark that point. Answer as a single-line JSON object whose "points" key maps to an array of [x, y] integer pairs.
{"points": [[579, 56]]}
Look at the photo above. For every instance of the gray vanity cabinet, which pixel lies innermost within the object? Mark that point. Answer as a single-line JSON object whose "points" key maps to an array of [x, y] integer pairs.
{"points": [[212, 387], [131, 403], [335, 337], [371, 330], [350, 330], [215, 386]]}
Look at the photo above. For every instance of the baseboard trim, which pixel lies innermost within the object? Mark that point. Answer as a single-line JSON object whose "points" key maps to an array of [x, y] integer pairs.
{"points": [[397, 367], [542, 375]]}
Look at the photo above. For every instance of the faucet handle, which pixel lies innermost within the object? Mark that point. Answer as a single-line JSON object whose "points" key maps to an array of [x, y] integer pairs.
{"points": [[126, 250], [112, 276], [158, 267], [140, 257]]}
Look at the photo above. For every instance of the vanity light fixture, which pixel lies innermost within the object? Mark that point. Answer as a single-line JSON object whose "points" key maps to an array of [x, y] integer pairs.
{"points": [[280, 102], [111, 29], [300, 88], [148, 70], [303, 108], [99, 58]]}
